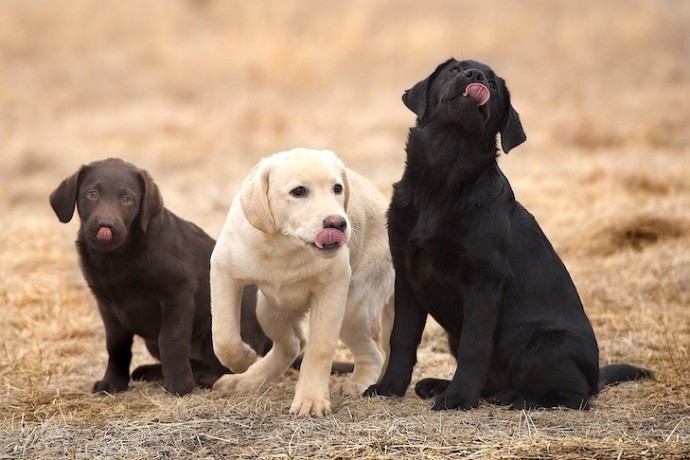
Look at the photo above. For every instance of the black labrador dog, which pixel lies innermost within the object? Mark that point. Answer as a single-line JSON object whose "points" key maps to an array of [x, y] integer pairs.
{"points": [[466, 252], [149, 272]]}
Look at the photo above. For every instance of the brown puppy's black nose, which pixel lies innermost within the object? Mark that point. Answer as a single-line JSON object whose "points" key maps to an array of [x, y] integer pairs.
{"points": [[108, 223], [474, 75], [337, 222]]}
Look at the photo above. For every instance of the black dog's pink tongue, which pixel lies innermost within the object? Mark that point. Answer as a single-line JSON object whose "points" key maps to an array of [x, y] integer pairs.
{"points": [[329, 237], [105, 234], [478, 92]]}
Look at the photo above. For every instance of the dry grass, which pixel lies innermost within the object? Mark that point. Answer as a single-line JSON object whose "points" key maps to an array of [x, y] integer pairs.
{"points": [[197, 91]]}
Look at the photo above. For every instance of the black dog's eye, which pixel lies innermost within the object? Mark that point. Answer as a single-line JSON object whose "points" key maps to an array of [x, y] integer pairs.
{"points": [[492, 84], [298, 192], [127, 199], [92, 195], [455, 70], [338, 189]]}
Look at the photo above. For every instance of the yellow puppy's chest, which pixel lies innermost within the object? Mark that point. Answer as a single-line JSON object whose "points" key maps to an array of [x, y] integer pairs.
{"points": [[294, 296]]}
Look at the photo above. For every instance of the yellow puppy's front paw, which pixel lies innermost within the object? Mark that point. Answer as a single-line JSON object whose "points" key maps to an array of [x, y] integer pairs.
{"points": [[237, 359], [234, 383], [304, 407]]}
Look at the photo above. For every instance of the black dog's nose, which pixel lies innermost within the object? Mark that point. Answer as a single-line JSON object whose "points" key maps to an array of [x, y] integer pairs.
{"points": [[337, 222], [474, 75]]}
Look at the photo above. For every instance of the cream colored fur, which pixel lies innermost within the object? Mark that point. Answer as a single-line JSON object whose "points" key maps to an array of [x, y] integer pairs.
{"points": [[268, 240]]}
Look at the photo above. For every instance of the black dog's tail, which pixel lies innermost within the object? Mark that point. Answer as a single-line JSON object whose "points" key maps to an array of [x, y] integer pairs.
{"points": [[617, 373]]}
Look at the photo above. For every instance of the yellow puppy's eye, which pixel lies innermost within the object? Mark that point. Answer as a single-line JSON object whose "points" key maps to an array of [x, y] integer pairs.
{"points": [[338, 189], [298, 192]]}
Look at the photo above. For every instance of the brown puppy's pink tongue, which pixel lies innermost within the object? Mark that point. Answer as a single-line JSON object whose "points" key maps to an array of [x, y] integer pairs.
{"points": [[105, 234], [478, 92], [329, 237]]}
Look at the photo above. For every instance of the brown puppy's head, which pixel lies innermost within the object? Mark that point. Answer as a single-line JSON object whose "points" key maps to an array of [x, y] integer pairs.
{"points": [[467, 95], [113, 198]]}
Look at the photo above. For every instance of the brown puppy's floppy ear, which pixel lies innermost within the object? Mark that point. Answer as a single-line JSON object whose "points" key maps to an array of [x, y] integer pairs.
{"points": [[254, 199], [64, 197], [151, 200], [511, 130]]}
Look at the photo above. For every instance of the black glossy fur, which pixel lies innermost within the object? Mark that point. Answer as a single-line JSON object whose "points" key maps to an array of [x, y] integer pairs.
{"points": [[466, 252], [150, 279]]}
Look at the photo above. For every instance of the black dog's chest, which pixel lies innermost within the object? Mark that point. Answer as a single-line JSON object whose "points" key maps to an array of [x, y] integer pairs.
{"points": [[430, 260]]}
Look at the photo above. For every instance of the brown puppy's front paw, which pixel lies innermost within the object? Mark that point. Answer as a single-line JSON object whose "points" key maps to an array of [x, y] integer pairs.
{"points": [[111, 386], [179, 386]]}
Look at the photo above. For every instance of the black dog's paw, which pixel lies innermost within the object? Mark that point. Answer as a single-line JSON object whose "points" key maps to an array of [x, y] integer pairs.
{"points": [[514, 399], [148, 373], [447, 401], [428, 388], [383, 389], [111, 386]]}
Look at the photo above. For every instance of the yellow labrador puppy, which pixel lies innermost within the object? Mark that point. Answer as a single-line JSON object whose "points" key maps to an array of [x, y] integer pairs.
{"points": [[312, 236]]}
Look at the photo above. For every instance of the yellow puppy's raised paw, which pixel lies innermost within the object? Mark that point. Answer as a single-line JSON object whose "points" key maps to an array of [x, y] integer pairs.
{"points": [[237, 359]]}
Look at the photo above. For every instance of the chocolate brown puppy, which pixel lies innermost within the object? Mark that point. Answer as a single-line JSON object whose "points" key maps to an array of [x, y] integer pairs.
{"points": [[149, 272]]}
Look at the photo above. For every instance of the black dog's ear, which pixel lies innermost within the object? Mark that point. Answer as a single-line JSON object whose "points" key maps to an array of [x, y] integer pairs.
{"points": [[64, 197], [415, 98], [511, 130], [151, 201]]}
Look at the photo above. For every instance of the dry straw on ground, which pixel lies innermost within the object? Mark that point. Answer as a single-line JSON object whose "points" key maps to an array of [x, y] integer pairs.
{"points": [[197, 91]]}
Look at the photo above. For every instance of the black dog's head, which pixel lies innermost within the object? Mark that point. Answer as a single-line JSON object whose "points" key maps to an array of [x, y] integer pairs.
{"points": [[470, 96], [112, 198]]}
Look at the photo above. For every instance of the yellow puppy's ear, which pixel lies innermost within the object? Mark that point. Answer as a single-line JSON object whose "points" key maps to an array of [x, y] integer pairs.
{"points": [[346, 187], [254, 199]]}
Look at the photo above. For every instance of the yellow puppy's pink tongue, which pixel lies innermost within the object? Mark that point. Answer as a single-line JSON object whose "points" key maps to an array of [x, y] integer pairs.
{"points": [[105, 234], [478, 92], [329, 238]]}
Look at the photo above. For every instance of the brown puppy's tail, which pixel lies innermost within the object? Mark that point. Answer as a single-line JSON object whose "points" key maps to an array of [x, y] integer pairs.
{"points": [[617, 373], [337, 367]]}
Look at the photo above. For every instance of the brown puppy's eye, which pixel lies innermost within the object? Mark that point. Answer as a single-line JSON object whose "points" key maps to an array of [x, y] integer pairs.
{"points": [[338, 189], [92, 195], [127, 200], [298, 192]]}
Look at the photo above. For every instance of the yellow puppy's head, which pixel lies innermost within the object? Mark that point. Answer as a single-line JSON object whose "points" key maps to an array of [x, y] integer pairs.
{"points": [[302, 194]]}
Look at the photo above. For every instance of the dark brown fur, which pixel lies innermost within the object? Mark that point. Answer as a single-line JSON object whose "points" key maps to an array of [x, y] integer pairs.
{"points": [[150, 279]]}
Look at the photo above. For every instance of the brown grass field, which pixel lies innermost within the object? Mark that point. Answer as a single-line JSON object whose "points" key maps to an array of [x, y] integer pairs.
{"points": [[197, 91]]}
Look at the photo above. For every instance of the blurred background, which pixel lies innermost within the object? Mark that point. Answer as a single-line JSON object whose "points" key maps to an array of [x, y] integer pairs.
{"points": [[197, 91]]}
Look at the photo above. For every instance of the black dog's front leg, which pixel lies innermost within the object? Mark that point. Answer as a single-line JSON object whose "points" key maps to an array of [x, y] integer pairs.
{"points": [[475, 349], [408, 326], [118, 341], [174, 341]]}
